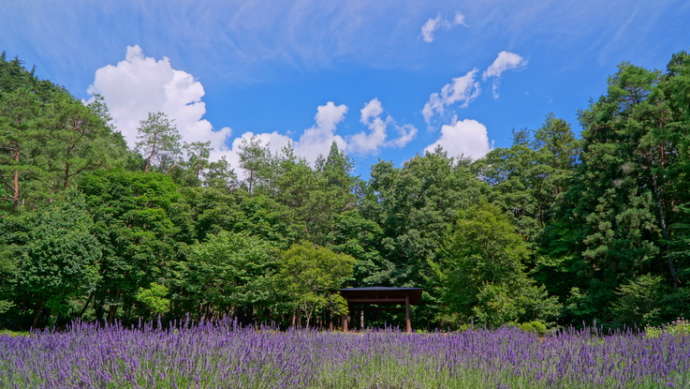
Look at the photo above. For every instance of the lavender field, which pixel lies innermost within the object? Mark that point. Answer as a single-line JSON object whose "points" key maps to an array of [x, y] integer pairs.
{"points": [[221, 355]]}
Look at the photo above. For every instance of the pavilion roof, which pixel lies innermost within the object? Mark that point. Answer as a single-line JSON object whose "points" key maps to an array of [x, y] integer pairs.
{"points": [[382, 295]]}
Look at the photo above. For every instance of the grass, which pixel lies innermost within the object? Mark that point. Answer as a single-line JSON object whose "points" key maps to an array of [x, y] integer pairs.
{"points": [[13, 333]]}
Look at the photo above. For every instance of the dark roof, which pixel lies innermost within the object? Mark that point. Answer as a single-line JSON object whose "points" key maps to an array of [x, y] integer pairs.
{"points": [[382, 295], [381, 288]]}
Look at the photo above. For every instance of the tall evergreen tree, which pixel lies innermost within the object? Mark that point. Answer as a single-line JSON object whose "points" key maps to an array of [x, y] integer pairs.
{"points": [[158, 142]]}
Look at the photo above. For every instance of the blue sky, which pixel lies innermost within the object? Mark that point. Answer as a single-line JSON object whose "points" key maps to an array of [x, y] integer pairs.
{"points": [[240, 68]]}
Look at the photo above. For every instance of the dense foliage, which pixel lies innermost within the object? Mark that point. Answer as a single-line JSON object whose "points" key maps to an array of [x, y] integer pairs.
{"points": [[215, 355], [555, 229]]}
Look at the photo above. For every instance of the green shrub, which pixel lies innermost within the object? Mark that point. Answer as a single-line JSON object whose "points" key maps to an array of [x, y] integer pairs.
{"points": [[680, 327], [154, 298], [535, 326], [13, 333], [465, 327]]}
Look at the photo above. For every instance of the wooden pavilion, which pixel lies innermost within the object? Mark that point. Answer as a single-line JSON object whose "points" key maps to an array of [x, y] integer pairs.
{"points": [[381, 295]]}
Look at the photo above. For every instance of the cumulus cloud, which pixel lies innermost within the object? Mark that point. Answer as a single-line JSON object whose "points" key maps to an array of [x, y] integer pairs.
{"points": [[461, 90], [371, 115], [465, 138], [317, 140], [138, 85], [273, 141], [432, 25], [503, 62], [371, 110], [406, 133], [313, 142]]}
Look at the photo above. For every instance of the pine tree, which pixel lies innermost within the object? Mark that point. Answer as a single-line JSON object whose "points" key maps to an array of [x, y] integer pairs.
{"points": [[159, 142]]}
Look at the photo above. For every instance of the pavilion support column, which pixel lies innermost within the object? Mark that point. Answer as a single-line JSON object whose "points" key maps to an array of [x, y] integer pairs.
{"points": [[408, 322], [346, 318], [361, 319]]}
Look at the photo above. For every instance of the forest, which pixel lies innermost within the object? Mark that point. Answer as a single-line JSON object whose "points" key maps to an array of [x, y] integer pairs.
{"points": [[561, 229]]}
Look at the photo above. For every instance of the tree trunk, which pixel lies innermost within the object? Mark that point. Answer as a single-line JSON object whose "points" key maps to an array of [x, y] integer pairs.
{"points": [[664, 230], [112, 312], [98, 307], [65, 179], [86, 305], [38, 315], [15, 182]]}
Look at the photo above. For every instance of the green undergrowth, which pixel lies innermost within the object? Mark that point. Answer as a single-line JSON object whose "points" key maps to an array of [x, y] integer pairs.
{"points": [[13, 333]]}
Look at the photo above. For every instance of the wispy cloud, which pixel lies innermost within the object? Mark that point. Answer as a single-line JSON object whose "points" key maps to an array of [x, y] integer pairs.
{"points": [[504, 61], [254, 36], [461, 90], [372, 116], [432, 25]]}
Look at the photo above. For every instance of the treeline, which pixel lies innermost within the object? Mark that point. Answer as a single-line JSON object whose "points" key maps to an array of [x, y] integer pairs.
{"points": [[556, 228]]}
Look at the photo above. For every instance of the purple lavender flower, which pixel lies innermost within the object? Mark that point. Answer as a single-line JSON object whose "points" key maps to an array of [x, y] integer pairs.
{"points": [[222, 354]]}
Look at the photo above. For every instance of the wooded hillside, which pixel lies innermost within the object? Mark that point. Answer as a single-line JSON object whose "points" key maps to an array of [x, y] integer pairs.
{"points": [[558, 228]]}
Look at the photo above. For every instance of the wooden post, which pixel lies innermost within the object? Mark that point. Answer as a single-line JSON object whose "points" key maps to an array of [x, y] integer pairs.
{"points": [[408, 323], [361, 319], [345, 318]]}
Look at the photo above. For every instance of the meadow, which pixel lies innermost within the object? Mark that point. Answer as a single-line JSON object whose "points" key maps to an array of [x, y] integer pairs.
{"points": [[224, 355]]}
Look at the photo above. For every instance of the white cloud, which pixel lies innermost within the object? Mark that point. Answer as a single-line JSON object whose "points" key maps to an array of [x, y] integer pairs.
{"points": [[138, 85], [371, 109], [462, 90], [406, 133], [371, 116], [459, 19], [503, 62], [430, 27], [465, 138], [317, 140], [313, 142], [274, 141]]}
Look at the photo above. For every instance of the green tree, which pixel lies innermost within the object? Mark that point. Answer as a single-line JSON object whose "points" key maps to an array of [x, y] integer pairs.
{"points": [[529, 178], [56, 257], [158, 142], [20, 120], [615, 223], [79, 142], [310, 276], [638, 301], [359, 237], [482, 274], [48, 138], [220, 175], [255, 159], [154, 299], [141, 222], [230, 274], [415, 205], [195, 164]]}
